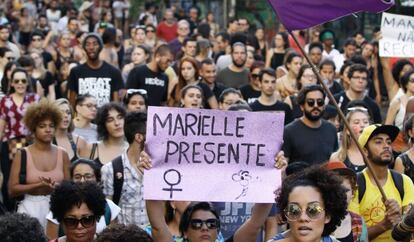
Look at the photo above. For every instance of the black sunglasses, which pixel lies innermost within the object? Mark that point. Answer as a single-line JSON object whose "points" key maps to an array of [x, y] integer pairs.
{"points": [[197, 224], [86, 222], [23, 81], [311, 102]]}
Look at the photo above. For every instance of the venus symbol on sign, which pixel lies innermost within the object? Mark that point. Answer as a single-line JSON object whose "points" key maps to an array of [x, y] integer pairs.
{"points": [[172, 177]]}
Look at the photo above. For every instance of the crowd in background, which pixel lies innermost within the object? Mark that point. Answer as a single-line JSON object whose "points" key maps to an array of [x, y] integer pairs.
{"points": [[76, 83]]}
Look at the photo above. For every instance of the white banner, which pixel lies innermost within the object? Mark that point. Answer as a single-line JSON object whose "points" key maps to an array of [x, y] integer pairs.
{"points": [[397, 36]]}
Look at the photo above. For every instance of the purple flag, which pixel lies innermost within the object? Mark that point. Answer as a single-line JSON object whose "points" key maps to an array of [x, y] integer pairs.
{"points": [[303, 14]]}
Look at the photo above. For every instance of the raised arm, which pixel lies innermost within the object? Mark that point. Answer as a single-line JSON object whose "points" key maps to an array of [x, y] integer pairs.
{"points": [[155, 211]]}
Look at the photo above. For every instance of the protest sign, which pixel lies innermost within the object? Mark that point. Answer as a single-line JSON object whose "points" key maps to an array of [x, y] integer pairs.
{"points": [[212, 155], [397, 36]]}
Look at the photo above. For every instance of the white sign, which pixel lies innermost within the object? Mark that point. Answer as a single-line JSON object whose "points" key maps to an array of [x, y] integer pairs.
{"points": [[397, 36]]}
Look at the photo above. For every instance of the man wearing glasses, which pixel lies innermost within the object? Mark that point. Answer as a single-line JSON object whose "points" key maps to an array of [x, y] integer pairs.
{"points": [[358, 75], [310, 138]]}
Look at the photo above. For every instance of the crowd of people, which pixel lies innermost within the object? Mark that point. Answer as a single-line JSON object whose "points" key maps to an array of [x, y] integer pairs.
{"points": [[77, 80]]}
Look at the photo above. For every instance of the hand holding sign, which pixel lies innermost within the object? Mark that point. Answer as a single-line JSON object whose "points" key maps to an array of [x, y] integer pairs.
{"points": [[203, 149]]}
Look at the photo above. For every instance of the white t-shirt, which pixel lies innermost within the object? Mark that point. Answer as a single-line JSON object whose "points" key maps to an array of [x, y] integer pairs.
{"points": [[101, 225]]}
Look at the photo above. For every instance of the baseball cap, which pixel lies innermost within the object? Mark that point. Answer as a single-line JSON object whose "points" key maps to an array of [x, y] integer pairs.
{"points": [[340, 168], [375, 129]]}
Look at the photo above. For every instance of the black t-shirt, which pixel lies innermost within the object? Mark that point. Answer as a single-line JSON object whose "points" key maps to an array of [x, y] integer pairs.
{"points": [[47, 57], [249, 94], [256, 106], [313, 145], [336, 88], [343, 100], [155, 83], [45, 82], [207, 94], [100, 83]]}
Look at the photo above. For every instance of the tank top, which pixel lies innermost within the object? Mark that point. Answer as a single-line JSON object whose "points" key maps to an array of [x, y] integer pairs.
{"points": [[408, 165], [33, 173], [73, 145], [95, 149], [399, 117], [277, 60], [350, 165]]}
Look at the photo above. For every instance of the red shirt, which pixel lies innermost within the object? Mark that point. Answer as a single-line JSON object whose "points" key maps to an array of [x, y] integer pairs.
{"points": [[13, 115], [167, 32]]}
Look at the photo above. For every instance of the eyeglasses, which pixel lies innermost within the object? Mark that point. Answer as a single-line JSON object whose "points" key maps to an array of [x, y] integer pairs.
{"points": [[362, 109], [86, 222], [197, 224], [10, 58], [86, 177], [150, 30], [293, 211], [319, 102], [89, 105], [17, 81], [254, 76]]}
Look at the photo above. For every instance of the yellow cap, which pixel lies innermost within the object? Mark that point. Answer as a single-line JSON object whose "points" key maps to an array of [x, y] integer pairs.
{"points": [[375, 129]]}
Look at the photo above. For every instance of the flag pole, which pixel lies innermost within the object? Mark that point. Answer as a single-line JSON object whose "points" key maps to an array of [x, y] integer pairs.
{"points": [[341, 115]]}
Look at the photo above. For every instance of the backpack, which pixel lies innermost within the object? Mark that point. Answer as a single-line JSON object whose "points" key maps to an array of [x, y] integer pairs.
{"points": [[396, 177], [118, 169]]}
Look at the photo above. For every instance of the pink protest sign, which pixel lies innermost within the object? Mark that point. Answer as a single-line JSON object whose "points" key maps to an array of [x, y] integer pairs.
{"points": [[211, 155]]}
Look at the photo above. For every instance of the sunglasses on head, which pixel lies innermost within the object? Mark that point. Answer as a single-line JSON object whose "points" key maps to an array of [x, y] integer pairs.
{"points": [[23, 81], [132, 92], [197, 224], [86, 222], [293, 211], [311, 102]]}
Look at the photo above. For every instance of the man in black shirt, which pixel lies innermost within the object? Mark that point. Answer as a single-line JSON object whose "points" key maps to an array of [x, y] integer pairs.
{"points": [[208, 74], [268, 100], [95, 77], [151, 76], [310, 138], [358, 76]]}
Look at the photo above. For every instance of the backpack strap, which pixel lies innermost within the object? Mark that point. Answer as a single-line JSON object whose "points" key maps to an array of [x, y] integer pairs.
{"points": [[92, 155], [107, 214], [362, 186], [118, 169], [399, 183], [23, 166], [356, 226]]}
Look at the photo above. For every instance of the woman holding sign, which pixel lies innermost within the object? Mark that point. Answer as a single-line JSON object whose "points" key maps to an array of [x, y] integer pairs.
{"points": [[314, 203]]}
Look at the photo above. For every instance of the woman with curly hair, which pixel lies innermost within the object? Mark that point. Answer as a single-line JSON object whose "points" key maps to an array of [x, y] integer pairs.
{"points": [[45, 164], [110, 121], [78, 206], [314, 203]]}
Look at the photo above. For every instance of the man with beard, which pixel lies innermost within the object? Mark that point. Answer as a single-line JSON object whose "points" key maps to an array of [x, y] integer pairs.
{"points": [[310, 138], [208, 74], [151, 76], [268, 99], [235, 75], [4, 40], [380, 216], [95, 77]]}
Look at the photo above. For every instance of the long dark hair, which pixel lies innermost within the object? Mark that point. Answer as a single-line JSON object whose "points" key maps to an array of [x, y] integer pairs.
{"points": [[5, 82]]}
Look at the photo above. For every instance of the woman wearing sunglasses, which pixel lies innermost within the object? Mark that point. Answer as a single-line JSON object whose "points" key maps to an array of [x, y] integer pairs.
{"points": [[13, 132], [84, 170], [135, 100], [313, 202], [78, 206]]}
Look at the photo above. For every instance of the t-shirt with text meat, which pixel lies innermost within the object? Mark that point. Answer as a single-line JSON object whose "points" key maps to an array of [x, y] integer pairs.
{"points": [[100, 83]]}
